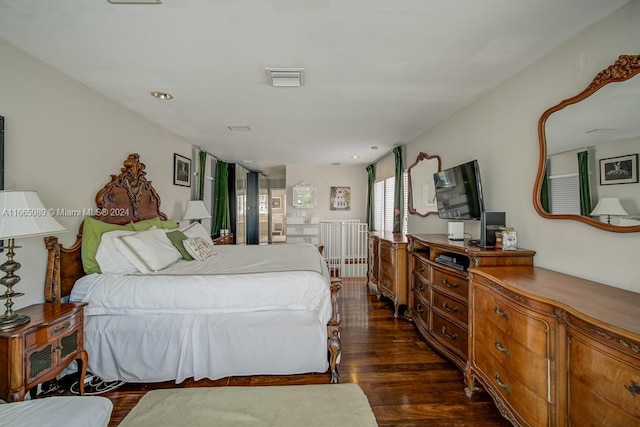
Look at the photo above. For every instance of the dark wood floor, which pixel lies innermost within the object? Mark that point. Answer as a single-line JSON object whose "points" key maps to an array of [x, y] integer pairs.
{"points": [[406, 382]]}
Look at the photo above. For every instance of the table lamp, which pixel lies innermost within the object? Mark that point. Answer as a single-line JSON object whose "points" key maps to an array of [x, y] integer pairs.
{"points": [[22, 214], [196, 210], [609, 206]]}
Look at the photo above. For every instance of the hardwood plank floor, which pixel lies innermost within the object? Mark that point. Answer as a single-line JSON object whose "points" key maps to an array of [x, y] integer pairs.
{"points": [[407, 383]]}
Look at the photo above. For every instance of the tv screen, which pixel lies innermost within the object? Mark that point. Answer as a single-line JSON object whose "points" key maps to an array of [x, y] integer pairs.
{"points": [[459, 192]]}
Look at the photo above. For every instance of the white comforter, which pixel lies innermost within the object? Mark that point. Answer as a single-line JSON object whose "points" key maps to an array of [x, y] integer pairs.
{"points": [[247, 310], [236, 279]]}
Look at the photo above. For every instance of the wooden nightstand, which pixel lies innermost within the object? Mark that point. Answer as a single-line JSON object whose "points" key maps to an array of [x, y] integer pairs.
{"points": [[227, 239], [41, 349]]}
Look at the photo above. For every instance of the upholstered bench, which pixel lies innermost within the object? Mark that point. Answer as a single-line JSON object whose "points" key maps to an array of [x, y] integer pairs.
{"points": [[56, 411]]}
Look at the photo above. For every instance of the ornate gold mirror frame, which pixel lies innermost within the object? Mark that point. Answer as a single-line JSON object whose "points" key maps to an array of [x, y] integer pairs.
{"points": [[626, 67], [422, 186]]}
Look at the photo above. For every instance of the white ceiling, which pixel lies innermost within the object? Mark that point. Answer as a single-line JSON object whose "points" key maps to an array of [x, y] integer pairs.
{"points": [[377, 72]]}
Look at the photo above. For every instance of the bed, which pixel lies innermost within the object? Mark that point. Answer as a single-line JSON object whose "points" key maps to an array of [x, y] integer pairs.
{"points": [[231, 311]]}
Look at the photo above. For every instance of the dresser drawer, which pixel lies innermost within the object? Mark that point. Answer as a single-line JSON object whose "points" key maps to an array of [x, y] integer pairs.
{"points": [[526, 327], [603, 383], [451, 283], [524, 401], [421, 310], [421, 268], [450, 334], [421, 286], [450, 308], [522, 364], [43, 335], [386, 253]]}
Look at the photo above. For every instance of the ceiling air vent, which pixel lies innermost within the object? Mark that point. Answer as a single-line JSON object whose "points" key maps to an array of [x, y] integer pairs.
{"points": [[285, 77]]}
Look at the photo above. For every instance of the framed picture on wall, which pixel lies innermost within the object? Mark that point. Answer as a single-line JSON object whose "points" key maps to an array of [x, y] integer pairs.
{"points": [[181, 170], [619, 170], [340, 198]]}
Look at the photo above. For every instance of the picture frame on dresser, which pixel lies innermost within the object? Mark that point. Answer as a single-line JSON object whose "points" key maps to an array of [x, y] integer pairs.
{"points": [[181, 170]]}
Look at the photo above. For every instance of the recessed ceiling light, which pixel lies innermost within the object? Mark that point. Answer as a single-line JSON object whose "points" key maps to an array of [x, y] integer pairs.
{"points": [[355, 157], [336, 163], [285, 77], [135, 1], [162, 95], [374, 147], [239, 128]]}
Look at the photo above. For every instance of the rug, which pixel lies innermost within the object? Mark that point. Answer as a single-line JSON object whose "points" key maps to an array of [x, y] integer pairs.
{"points": [[281, 406]]}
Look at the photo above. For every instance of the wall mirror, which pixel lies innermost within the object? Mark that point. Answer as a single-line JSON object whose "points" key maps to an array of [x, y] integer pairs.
{"points": [[422, 189], [304, 196], [589, 145]]}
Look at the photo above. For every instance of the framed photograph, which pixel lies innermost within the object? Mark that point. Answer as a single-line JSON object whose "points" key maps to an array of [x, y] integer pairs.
{"points": [[340, 198], [619, 170], [181, 170], [276, 203]]}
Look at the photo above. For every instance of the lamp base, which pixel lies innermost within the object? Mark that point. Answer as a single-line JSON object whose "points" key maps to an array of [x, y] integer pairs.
{"points": [[11, 321]]}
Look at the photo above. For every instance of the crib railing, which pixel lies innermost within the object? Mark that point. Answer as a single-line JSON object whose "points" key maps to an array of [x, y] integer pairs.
{"points": [[345, 247]]}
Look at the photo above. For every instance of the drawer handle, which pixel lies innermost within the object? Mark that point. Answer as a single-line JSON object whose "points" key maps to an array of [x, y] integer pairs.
{"points": [[499, 312], [59, 329], [505, 350], [421, 268], [450, 285], [421, 287], [444, 332], [501, 384], [450, 309], [420, 309], [634, 388]]}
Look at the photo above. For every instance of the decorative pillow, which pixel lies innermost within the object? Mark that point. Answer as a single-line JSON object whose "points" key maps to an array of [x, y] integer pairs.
{"points": [[177, 237], [199, 248], [197, 230], [157, 222], [151, 248], [112, 260], [92, 232]]}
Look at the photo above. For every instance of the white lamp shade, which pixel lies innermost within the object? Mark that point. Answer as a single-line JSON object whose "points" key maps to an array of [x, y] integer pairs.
{"points": [[22, 214], [609, 206], [196, 210]]}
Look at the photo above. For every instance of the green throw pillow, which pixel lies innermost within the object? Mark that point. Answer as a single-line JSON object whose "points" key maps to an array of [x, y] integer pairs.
{"points": [[177, 237], [148, 223], [92, 232]]}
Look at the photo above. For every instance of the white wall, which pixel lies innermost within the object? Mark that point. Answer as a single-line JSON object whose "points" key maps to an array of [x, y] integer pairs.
{"points": [[64, 140], [500, 130], [323, 178]]}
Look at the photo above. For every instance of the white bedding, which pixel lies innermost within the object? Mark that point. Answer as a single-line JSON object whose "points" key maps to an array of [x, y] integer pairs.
{"points": [[246, 310]]}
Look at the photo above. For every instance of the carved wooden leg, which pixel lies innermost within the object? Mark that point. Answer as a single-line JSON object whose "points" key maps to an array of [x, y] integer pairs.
{"points": [[333, 330], [83, 361], [471, 389]]}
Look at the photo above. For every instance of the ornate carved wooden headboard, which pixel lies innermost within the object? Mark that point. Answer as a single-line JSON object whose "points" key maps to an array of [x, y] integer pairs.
{"points": [[128, 197]]}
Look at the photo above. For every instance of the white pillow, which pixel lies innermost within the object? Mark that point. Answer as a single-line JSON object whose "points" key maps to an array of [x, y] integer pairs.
{"points": [[199, 248], [152, 248], [197, 230], [111, 259]]}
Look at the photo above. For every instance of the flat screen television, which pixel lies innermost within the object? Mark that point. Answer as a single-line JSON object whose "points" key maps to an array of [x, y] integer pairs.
{"points": [[459, 192]]}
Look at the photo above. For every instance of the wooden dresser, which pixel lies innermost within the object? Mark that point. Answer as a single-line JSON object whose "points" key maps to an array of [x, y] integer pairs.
{"points": [[438, 300], [553, 349], [388, 267]]}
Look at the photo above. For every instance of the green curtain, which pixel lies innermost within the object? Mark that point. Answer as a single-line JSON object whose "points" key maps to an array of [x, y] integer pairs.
{"points": [[585, 188], [221, 214], [544, 194], [202, 164], [371, 200], [398, 202]]}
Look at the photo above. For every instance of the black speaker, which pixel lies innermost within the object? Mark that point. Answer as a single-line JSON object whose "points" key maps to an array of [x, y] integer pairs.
{"points": [[490, 222]]}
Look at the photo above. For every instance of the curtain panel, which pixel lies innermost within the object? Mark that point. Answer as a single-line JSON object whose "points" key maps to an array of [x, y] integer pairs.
{"points": [[398, 203], [371, 213]]}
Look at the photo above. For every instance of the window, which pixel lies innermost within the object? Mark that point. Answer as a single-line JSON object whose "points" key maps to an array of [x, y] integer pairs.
{"points": [[384, 194]]}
